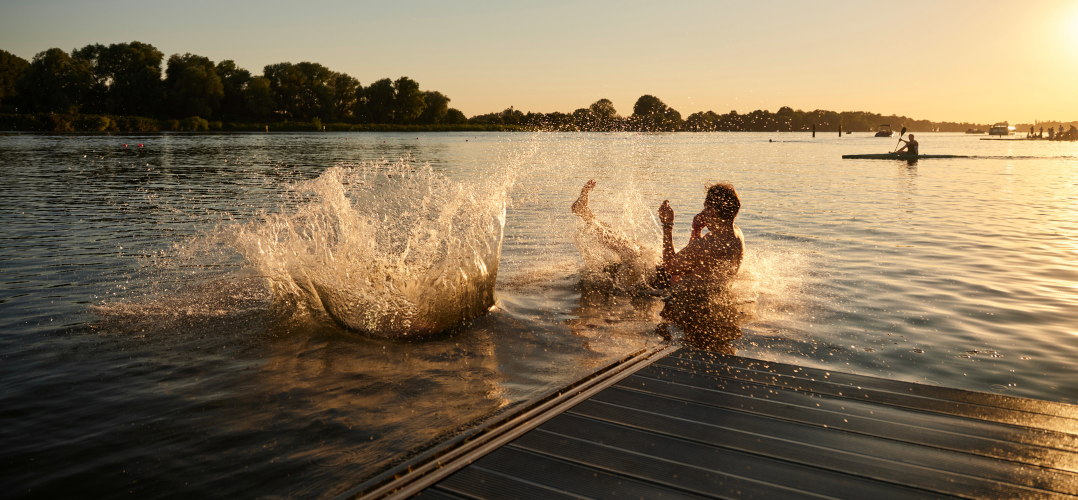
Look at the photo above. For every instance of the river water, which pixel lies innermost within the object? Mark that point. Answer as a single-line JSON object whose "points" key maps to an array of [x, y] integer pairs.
{"points": [[143, 350]]}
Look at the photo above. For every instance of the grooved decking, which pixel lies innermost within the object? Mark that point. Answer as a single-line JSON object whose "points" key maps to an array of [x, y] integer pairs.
{"points": [[696, 424]]}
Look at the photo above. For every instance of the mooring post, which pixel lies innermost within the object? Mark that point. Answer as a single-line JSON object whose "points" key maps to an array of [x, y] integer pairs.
{"points": [[814, 130], [840, 131]]}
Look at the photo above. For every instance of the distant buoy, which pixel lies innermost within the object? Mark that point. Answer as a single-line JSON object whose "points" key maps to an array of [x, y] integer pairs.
{"points": [[140, 144], [125, 145]]}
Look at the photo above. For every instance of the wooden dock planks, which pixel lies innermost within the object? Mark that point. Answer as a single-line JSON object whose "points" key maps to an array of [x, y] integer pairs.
{"points": [[696, 424]]}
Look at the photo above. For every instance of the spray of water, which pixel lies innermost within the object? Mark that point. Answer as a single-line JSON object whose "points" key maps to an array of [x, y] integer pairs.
{"points": [[620, 253], [389, 249]]}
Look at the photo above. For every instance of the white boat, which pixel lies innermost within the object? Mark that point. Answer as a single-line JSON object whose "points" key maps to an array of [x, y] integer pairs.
{"points": [[1001, 129]]}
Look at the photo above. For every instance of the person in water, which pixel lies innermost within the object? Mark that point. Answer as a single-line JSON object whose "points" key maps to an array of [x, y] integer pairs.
{"points": [[706, 260], [910, 148]]}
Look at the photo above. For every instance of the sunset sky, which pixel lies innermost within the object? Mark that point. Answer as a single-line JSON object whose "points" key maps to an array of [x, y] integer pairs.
{"points": [[979, 61]]}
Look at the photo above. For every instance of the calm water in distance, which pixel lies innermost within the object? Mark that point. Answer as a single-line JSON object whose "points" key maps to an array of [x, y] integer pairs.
{"points": [[131, 365]]}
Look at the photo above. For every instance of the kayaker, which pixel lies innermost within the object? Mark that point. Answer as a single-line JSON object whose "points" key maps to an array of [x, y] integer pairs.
{"points": [[910, 148]]}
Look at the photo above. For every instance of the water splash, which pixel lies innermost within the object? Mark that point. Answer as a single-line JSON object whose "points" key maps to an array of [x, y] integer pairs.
{"points": [[639, 243], [390, 249]]}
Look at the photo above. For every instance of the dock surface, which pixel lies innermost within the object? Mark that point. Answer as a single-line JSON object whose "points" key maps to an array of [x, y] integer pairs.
{"points": [[684, 423]]}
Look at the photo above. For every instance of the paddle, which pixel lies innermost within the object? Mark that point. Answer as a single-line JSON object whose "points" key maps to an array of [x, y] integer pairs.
{"points": [[900, 134]]}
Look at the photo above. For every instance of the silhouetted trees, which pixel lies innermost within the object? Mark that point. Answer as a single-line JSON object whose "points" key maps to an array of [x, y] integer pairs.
{"points": [[126, 80], [509, 116], [234, 81], [650, 114], [345, 92], [376, 104], [258, 99], [603, 109], [407, 100], [303, 90], [12, 68], [193, 87], [455, 116], [436, 107], [55, 82]]}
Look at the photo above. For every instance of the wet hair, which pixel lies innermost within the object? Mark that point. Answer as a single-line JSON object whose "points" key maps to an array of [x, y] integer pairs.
{"points": [[723, 199]]}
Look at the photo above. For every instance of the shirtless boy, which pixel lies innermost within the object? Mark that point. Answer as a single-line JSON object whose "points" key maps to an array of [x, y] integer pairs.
{"points": [[707, 260]]}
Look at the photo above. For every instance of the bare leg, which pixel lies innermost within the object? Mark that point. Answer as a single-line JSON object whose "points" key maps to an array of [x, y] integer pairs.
{"points": [[580, 207], [627, 249]]}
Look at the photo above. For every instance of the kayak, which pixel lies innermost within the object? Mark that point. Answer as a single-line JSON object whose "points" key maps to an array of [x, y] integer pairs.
{"points": [[893, 156]]}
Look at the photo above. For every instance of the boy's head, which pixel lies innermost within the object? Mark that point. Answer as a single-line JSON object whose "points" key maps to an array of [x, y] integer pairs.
{"points": [[723, 199]]}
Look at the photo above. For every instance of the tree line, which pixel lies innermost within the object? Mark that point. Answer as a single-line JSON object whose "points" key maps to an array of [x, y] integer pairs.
{"points": [[126, 79], [650, 114]]}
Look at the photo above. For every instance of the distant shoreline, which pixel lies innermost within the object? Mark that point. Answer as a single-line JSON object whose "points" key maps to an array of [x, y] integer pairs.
{"points": [[110, 124], [105, 124]]}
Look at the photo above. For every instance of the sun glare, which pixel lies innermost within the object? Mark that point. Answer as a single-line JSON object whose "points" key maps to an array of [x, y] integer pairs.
{"points": [[1073, 30]]}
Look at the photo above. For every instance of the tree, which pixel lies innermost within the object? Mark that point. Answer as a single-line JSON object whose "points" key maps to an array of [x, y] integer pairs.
{"points": [[302, 90], [127, 77], [649, 105], [344, 91], [652, 114], [95, 100], [258, 98], [603, 109], [55, 82], [376, 106], [454, 116], [702, 122], [316, 95], [408, 101], [12, 69], [194, 89], [285, 86], [437, 106], [583, 119], [234, 81]]}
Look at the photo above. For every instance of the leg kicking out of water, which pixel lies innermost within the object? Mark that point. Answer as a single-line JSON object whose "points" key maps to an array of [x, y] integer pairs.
{"points": [[625, 248]]}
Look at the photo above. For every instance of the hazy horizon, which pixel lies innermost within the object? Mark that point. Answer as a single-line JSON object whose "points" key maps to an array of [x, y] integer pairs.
{"points": [[943, 62]]}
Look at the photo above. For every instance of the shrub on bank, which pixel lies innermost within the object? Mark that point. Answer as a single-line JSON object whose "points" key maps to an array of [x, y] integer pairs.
{"points": [[91, 123], [194, 124]]}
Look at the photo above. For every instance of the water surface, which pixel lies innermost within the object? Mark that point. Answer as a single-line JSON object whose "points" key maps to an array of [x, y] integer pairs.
{"points": [[140, 354]]}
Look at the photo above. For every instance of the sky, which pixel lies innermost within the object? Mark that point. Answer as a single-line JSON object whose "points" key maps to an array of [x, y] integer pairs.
{"points": [[967, 61]]}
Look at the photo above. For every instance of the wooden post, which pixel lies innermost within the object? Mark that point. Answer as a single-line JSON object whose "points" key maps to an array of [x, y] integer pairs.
{"points": [[814, 130], [840, 131]]}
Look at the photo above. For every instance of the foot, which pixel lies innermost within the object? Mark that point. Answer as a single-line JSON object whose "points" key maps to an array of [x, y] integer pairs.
{"points": [[580, 207]]}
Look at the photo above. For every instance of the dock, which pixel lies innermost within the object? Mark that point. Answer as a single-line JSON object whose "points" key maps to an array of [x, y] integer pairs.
{"points": [[676, 422]]}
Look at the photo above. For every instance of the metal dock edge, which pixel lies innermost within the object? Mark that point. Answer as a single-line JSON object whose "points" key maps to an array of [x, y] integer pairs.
{"points": [[432, 466]]}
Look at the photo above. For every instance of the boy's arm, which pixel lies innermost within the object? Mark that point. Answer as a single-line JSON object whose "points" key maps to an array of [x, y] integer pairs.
{"points": [[666, 216]]}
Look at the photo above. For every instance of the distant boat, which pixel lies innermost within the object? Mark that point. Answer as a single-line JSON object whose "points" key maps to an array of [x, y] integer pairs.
{"points": [[971, 131], [884, 131], [848, 132], [1001, 129]]}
